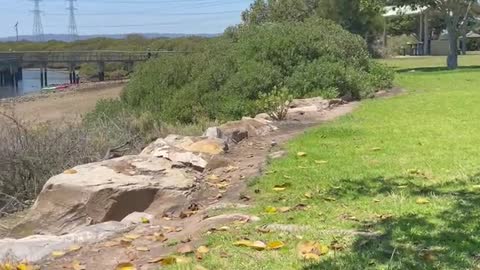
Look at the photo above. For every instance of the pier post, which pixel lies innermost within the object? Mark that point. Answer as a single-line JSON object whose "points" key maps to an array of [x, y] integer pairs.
{"points": [[1, 78], [41, 77], [101, 71], [20, 74], [45, 72]]}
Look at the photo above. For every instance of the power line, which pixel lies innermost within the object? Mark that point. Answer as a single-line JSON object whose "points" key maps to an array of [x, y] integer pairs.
{"points": [[72, 24], [37, 21]]}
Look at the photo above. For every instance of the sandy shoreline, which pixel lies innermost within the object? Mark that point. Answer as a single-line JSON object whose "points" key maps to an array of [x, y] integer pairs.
{"points": [[62, 106]]}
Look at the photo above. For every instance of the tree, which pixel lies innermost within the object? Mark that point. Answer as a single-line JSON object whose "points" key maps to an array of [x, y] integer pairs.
{"points": [[456, 13], [360, 17]]}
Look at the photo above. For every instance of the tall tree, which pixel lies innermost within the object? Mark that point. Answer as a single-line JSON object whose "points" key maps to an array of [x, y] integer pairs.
{"points": [[456, 13], [359, 17]]}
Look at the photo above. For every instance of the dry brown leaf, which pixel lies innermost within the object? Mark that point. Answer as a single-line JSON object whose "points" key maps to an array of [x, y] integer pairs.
{"points": [[76, 265], [131, 236], [284, 209], [159, 237], [143, 249], [125, 266], [126, 241], [111, 244], [310, 250]]}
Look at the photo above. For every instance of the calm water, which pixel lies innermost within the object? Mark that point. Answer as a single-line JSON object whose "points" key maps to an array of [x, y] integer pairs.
{"points": [[31, 82]]}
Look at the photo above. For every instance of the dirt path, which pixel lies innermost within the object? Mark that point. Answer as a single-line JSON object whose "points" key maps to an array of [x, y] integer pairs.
{"points": [[61, 106], [246, 161]]}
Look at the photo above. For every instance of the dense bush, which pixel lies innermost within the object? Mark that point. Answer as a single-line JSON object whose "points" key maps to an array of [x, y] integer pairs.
{"points": [[316, 57]]}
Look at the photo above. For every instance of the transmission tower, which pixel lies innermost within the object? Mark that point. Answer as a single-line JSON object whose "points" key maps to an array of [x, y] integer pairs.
{"points": [[37, 21], [72, 24]]}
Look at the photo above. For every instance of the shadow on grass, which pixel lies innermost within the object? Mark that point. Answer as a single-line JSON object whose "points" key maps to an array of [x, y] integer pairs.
{"points": [[435, 69], [449, 239]]}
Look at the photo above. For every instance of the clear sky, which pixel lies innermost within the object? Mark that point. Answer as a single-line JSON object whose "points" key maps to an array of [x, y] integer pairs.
{"points": [[124, 16]]}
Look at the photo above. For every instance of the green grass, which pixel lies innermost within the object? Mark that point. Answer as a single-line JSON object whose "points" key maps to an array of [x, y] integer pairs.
{"points": [[431, 62], [381, 159]]}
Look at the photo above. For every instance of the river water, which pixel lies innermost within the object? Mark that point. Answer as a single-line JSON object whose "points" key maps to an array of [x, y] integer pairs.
{"points": [[31, 82]]}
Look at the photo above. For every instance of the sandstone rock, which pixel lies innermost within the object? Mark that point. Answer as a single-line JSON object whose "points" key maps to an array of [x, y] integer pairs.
{"points": [[106, 191], [179, 157], [186, 159], [208, 146], [37, 247], [247, 127], [263, 116], [137, 218], [317, 102], [213, 133], [179, 141]]}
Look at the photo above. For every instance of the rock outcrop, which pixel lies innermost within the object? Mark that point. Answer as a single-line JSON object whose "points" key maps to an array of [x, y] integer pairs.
{"points": [[107, 191], [37, 247]]}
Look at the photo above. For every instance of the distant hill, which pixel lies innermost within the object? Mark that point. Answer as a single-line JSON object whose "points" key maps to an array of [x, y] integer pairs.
{"points": [[66, 38]]}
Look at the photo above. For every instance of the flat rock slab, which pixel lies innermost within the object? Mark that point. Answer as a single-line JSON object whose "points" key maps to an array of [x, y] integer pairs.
{"points": [[38, 247]]}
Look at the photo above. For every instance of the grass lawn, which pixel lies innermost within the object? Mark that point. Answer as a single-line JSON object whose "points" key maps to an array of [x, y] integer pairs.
{"points": [[431, 62], [406, 168]]}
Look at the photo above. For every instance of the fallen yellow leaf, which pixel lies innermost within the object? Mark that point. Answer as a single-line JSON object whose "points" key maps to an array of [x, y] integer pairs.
{"points": [[271, 210], [275, 245], [243, 243], [125, 266], [74, 248], [202, 249], [223, 229], [145, 220], [23, 266], [321, 162], [376, 149], [301, 154], [58, 254], [279, 189], [422, 201], [284, 209], [308, 195], [131, 236], [70, 171]]}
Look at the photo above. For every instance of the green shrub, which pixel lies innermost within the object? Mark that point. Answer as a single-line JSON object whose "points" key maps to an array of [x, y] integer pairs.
{"points": [[225, 78], [276, 103]]}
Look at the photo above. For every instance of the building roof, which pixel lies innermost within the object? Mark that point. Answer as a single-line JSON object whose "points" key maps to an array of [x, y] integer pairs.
{"points": [[395, 11]]}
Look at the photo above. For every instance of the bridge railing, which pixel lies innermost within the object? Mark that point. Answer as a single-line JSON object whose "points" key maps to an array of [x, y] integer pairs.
{"points": [[79, 56]]}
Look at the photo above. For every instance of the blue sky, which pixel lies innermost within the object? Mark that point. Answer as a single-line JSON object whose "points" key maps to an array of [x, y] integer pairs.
{"points": [[124, 16]]}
